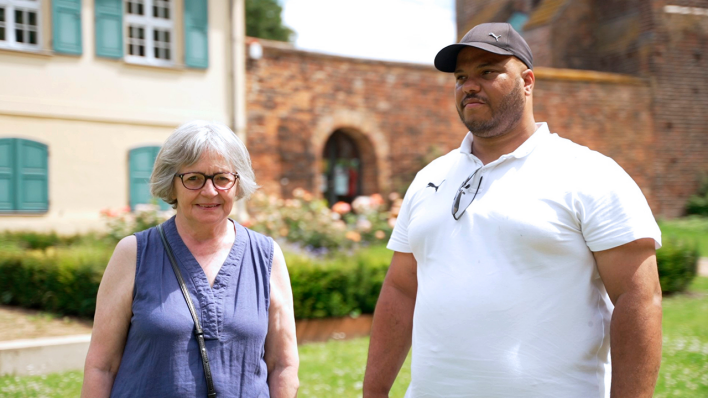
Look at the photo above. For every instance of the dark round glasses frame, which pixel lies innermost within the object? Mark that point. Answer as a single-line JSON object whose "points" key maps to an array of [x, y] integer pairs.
{"points": [[208, 177]]}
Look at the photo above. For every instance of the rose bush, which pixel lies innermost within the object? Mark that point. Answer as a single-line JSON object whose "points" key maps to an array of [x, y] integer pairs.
{"points": [[308, 222]]}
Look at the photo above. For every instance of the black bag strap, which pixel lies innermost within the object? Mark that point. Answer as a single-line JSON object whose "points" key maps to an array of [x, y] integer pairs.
{"points": [[211, 392]]}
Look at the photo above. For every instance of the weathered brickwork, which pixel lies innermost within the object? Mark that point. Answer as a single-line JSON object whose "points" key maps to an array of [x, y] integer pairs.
{"points": [[679, 69], [664, 46], [401, 115]]}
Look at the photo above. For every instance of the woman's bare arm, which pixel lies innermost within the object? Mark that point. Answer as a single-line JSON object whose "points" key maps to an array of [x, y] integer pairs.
{"points": [[281, 343], [110, 328]]}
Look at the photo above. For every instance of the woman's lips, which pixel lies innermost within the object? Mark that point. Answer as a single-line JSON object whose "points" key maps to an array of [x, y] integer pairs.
{"points": [[208, 206]]}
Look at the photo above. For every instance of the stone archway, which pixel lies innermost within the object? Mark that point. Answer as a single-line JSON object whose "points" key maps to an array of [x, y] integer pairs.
{"points": [[370, 142], [349, 167]]}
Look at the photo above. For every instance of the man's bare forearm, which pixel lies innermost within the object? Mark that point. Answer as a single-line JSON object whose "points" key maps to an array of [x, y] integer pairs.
{"points": [[635, 341], [390, 340]]}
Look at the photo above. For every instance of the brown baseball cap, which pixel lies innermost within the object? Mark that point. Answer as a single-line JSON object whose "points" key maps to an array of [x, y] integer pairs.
{"points": [[495, 37]]}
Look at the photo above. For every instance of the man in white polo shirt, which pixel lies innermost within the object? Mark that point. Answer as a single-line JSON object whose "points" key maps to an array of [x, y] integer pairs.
{"points": [[522, 260]]}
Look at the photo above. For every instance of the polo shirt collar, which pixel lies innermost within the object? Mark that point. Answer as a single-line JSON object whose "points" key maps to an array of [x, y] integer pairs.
{"points": [[523, 150]]}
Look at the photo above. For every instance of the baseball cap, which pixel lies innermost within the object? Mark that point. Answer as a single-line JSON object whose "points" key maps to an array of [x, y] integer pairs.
{"points": [[495, 37]]}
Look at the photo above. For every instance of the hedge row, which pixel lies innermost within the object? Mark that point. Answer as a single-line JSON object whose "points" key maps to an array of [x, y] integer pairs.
{"points": [[678, 264], [65, 280]]}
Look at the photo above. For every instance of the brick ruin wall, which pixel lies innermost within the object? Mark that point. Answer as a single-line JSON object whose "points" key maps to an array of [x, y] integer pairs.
{"points": [[402, 115]]}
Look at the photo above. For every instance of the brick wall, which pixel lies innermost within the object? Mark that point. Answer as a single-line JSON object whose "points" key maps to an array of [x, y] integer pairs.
{"points": [[403, 114], [669, 50], [679, 69]]}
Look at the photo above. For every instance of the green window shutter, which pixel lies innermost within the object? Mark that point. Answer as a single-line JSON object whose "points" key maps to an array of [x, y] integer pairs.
{"points": [[141, 162], [109, 28], [32, 176], [7, 174], [196, 42], [66, 26]]}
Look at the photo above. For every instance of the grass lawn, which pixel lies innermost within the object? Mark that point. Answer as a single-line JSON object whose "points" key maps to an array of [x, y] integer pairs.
{"points": [[336, 368], [692, 228], [684, 364]]}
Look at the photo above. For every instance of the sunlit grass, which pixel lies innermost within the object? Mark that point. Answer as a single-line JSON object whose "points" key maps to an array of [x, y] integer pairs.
{"points": [[693, 229], [56, 385], [684, 365], [336, 368]]}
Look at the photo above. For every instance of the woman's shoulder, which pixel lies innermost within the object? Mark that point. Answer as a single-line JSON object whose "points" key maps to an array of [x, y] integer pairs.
{"points": [[255, 236]]}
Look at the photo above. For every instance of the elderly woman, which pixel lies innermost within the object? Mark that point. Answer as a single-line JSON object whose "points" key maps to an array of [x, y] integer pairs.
{"points": [[143, 342]]}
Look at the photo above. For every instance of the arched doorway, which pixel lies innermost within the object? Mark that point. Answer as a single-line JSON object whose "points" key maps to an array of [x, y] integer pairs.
{"points": [[342, 168]]}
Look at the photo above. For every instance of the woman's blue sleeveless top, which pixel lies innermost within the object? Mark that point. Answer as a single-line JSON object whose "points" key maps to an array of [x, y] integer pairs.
{"points": [[161, 356]]}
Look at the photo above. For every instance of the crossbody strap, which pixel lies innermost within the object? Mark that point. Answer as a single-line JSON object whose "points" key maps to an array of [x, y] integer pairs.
{"points": [[198, 332]]}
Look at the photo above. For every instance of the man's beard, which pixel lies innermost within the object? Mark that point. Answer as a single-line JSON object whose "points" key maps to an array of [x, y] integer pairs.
{"points": [[504, 117]]}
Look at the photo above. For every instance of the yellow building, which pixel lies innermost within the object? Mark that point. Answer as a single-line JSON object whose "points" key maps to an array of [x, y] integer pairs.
{"points": [[90, 89]]}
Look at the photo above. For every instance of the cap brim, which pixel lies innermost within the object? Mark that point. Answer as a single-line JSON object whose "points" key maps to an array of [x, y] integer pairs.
{"points": [[446, 60]]}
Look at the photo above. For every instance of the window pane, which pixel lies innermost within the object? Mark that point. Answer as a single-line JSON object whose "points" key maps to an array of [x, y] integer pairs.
{"points": [[18, 16], [33, 37], [156, 35], [167, 13], [2, 15], [167, 36], [2, 33], [130, 8], [157, 52], [167, 53], [141, 33], [140, 9], [154, 11], [130, 49], [33, 19], [19, 36], [142, 50]]}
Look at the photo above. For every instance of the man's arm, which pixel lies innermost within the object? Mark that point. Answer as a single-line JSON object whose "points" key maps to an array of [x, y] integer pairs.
{"points": [[392, 326], [631, 278]]}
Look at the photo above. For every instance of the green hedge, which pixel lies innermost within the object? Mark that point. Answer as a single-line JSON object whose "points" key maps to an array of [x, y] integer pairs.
{"points": [[678, 264], [346, 285], [65, 280]]}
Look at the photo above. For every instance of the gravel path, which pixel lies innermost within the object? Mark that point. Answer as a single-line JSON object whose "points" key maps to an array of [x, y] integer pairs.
{"points": [[17, 323]]}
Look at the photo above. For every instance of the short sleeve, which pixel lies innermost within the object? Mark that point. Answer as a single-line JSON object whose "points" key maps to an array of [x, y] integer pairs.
{"points": [[612, 209], [399, 237]]}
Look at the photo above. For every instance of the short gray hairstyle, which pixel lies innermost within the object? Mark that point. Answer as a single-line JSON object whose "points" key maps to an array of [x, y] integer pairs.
{"points": [[187, 144]]}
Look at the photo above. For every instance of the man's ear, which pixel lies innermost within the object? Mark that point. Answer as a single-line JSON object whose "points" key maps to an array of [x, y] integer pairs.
{"points": [[529, 81]]}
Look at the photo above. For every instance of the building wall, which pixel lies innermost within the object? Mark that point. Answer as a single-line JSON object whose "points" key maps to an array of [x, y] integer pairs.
{"points": [[297, 99], [91, 111], [678, 65], [667, 47]]}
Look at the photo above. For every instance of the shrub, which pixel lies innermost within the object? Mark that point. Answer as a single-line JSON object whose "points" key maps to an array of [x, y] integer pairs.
{"points": [[678, 264], [122, 222], [345, 285], [308, 222], [66, 280], [61, 280], [698, 204]]}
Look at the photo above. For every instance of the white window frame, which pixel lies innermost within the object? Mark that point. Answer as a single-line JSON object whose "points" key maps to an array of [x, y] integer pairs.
{"points": [[149, 23], [25, 5]]}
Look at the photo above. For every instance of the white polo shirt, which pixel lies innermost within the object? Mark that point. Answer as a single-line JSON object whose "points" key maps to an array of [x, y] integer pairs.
{"points": [[510, 302]]}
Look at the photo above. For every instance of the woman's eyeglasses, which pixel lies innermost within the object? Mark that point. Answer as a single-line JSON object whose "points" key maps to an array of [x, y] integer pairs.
{"points": [[196, 180]]}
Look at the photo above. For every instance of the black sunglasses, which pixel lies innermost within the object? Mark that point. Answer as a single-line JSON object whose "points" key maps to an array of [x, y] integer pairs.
{"points": [[462, 191]]}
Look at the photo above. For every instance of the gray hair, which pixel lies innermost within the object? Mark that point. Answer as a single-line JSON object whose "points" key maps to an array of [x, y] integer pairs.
{"points": [[187, 144]]}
